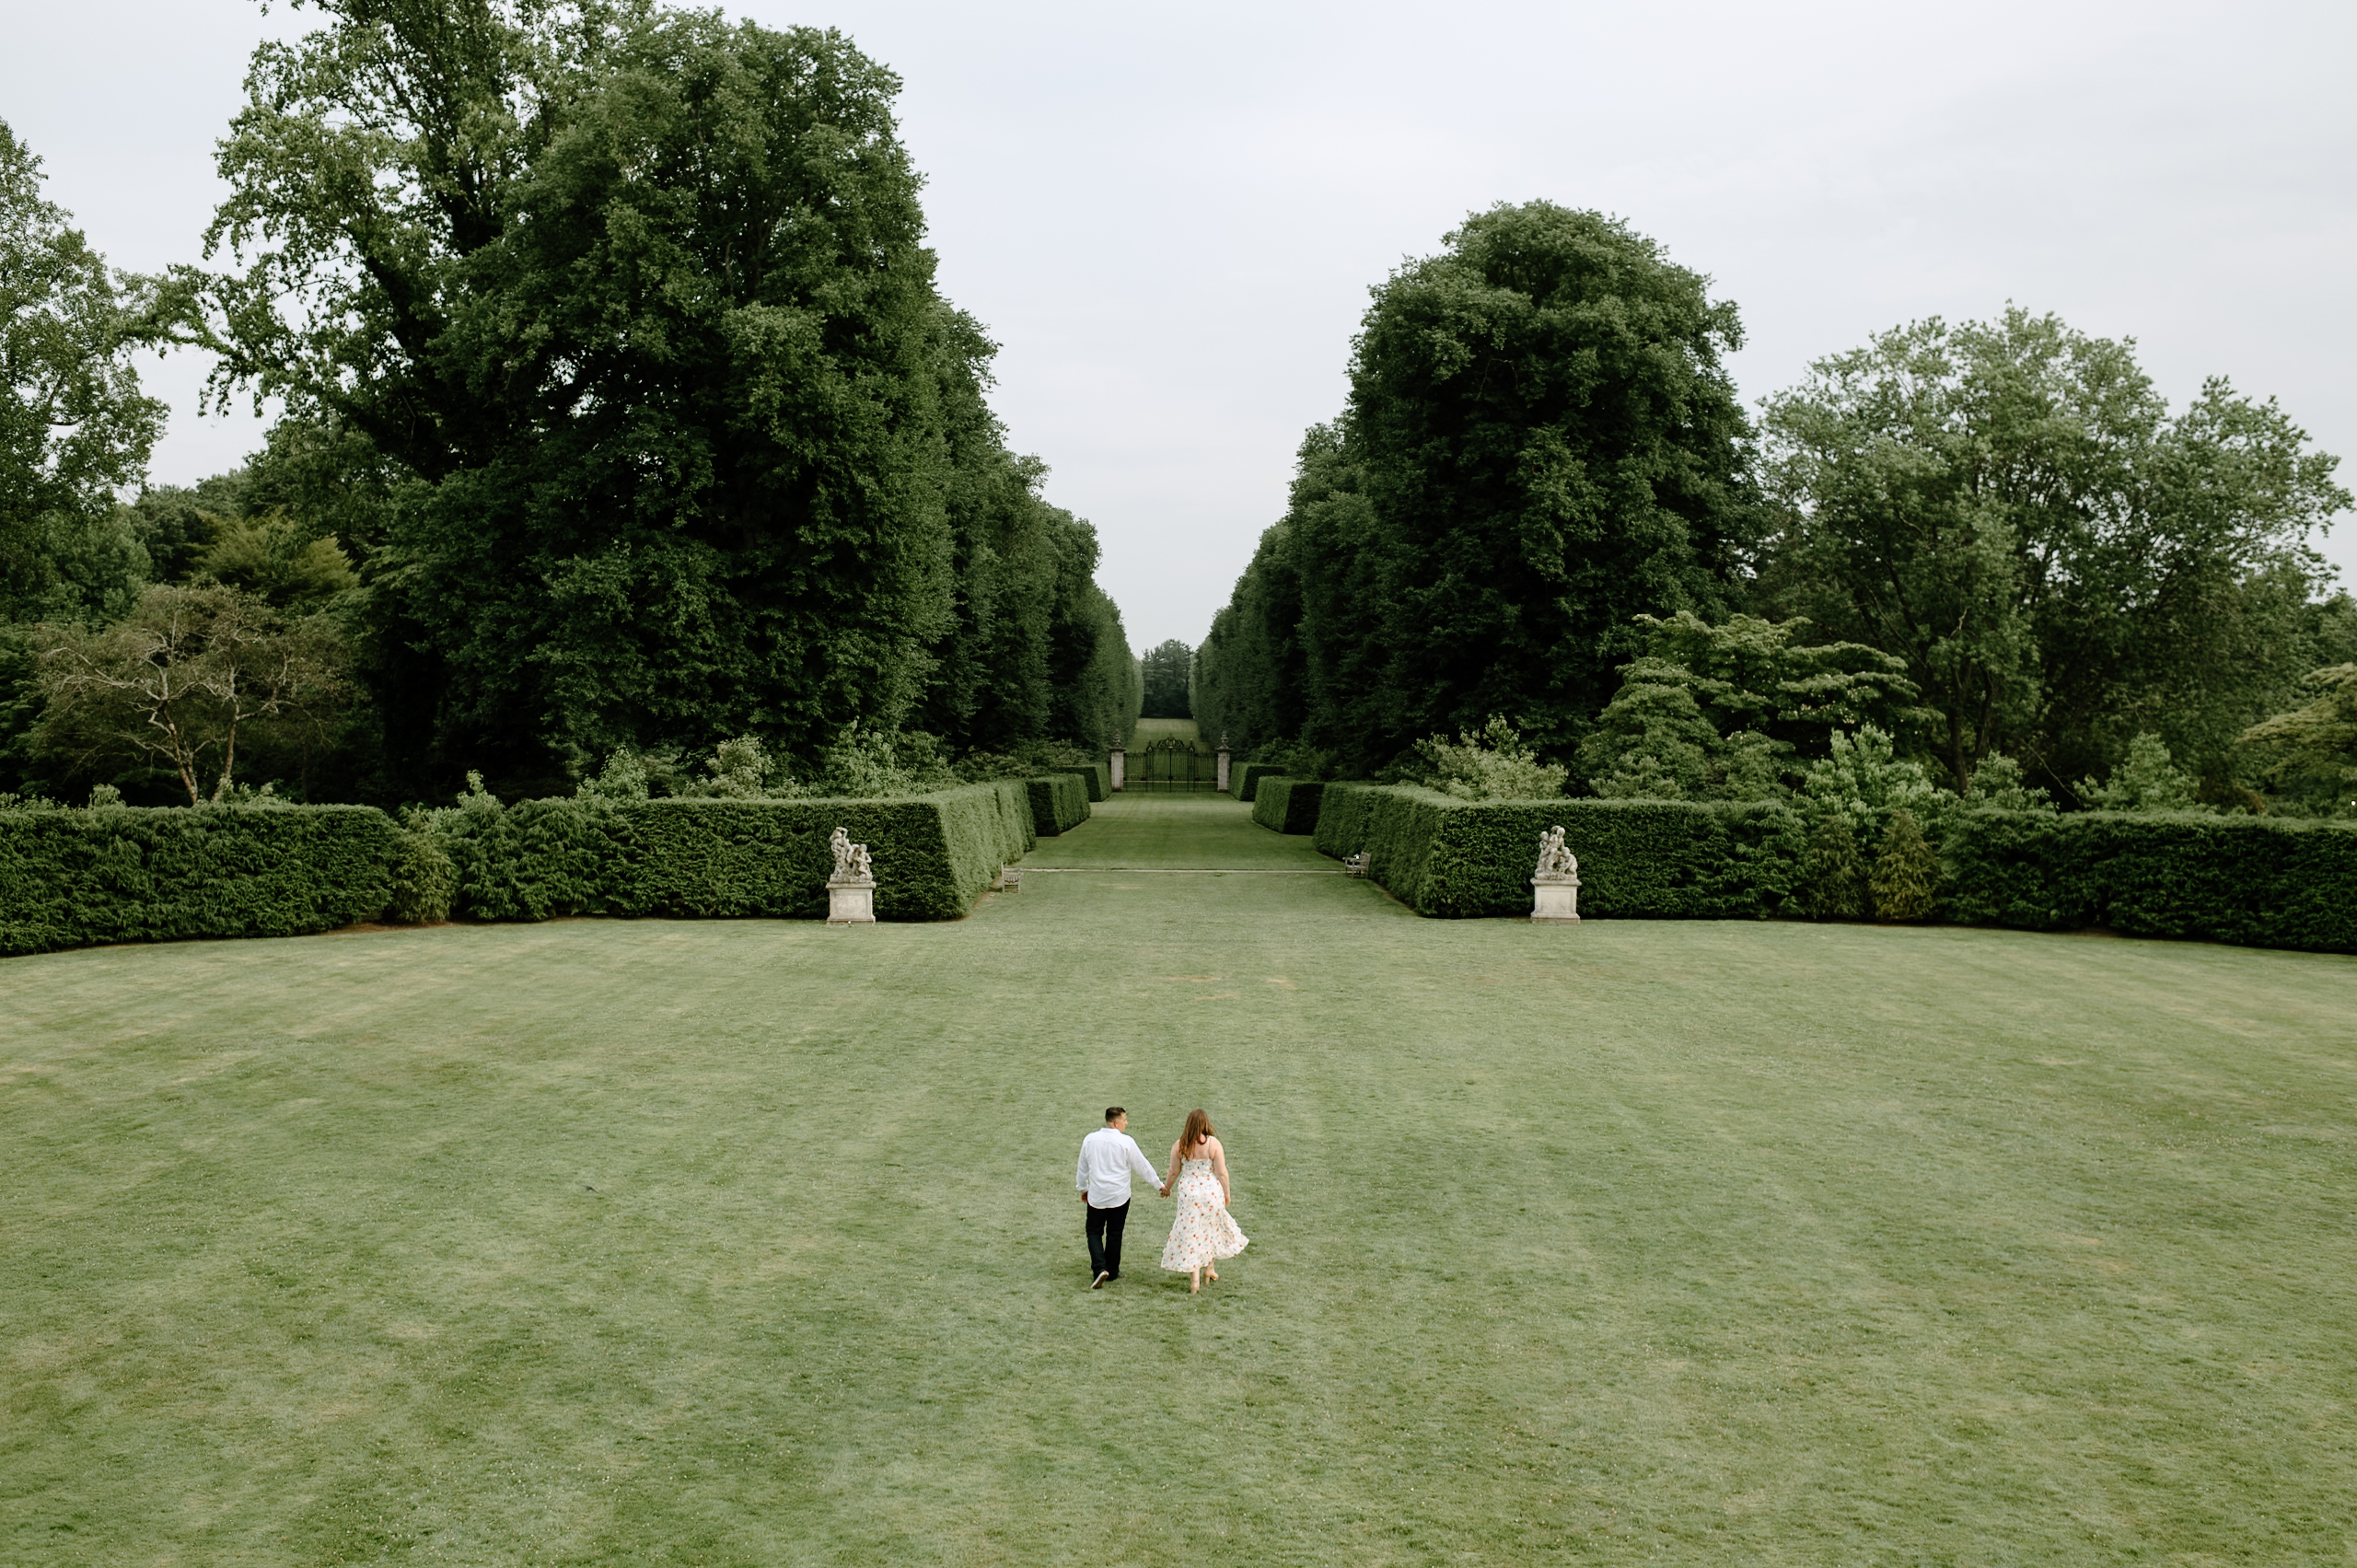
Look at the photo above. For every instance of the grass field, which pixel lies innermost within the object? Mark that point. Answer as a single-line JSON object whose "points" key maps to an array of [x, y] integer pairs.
{"points": [[754, 1243]]}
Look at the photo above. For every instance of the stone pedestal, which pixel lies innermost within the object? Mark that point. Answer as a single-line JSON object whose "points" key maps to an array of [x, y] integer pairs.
{"points": [[851, 903], [1222, 765], [1116, 757], [1555, 900]]}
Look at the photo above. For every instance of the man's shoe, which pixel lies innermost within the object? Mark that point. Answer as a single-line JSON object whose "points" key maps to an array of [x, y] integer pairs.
{"points": [[1100, 1282]]}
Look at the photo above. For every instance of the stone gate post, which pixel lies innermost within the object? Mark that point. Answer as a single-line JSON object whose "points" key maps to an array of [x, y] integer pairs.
{"points": [[1222, 765], [1115, 757]]}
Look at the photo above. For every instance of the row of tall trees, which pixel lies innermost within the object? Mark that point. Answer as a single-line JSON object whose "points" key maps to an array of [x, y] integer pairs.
{"points": [[614, 369], [1993, 538]]}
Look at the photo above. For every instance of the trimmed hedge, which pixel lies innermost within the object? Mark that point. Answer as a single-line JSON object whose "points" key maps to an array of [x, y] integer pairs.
{"points": [[77, 878], [1243, 778], [1661, 859], [1289, 806], [1097, 776], [933, 854], [1058, 804], [2248, 879]]}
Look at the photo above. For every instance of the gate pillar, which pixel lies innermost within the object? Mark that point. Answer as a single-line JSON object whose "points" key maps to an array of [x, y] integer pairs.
{"points": [[1114, 756], [1222, 765]]}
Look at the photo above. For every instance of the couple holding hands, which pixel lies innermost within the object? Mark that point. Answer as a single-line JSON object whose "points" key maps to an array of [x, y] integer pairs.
{"points": [[1202, 1233]]}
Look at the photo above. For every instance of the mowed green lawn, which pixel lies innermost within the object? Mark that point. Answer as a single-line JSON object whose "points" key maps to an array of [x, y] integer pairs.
{"points": [[754, 1243]]}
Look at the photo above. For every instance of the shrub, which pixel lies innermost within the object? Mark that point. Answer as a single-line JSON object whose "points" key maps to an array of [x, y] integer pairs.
{"points": [[1243, 777], [1489, 763], [1833, 872], [2255, 880], [1059, 803], [72, 879], [1677, 859], [1288, 805], [1096, 777], [1907, 874], [934, 853], [425, 883]]}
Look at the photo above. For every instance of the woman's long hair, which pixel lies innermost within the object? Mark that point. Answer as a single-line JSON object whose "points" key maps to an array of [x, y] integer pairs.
{"points": [[1199, 1127]]}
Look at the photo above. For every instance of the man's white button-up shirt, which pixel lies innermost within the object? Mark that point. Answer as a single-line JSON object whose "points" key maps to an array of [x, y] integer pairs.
{"points": [[1107, 1158]]}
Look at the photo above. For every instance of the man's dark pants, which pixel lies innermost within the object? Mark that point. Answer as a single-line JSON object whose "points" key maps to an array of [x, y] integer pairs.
{"points": [[1105, 1240]]}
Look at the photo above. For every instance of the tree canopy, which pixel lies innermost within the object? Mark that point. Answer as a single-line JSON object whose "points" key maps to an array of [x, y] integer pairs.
{"points": [[2010, 507], [73, 425], [1541, 441], [629, 312], [1164, 670]]}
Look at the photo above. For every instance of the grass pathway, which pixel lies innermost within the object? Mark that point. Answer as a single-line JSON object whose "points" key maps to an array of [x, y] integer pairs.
{"points": [[754, 1242]]}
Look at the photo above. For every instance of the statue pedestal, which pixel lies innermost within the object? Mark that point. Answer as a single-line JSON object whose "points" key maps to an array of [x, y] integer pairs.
{"points": [[851, 903], [1555, 900]]}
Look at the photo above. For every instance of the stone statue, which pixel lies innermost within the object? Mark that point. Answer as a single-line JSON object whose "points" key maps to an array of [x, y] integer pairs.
{"points": [[1554, 860], [851, 859]]}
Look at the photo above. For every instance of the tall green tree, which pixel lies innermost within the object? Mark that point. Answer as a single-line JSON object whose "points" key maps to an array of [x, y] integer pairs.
{"points": [[75, 427], [1541, 443], [2010, 507], [1163, 674], [634, 304]]}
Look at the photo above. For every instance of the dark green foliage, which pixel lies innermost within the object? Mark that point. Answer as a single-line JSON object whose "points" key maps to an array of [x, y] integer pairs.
{"points": [[2255, 880], [1542, 442], [1646, 859], [75, 878], [934, 853], [1287, 804], [425, 882], [1096, 777], [1907, 874], [1058, 804], [1243, 778], [1833, 873], [708, 454], [1163, 676], [2011, 508]]}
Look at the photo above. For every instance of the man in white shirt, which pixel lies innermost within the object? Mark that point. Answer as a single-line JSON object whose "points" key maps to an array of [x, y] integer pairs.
{"points": [[1108, 1158]]}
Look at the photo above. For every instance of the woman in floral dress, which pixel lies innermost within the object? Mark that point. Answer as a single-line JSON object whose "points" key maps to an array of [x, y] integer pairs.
{"points": [[1202, 1234]]}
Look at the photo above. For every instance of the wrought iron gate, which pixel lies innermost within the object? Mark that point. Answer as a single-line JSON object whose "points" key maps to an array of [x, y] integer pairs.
{"points": [[1172, 766]]}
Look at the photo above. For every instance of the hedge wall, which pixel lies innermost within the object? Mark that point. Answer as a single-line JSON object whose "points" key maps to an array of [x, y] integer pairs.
{"points": [[1059, 803], [1290, 806], [933, 854], [75, 878], [1097, 776], [1243, 778], [1661, 859], [2246, 879]]}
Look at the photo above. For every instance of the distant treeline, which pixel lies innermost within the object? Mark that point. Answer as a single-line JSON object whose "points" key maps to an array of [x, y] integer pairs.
{"points": [[1993, 538]]}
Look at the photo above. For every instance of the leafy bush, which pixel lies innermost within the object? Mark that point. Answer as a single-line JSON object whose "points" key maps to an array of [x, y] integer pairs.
{"points": [[2143, 781], [1489, 763], [425, 883], [1059, 803], [1907, 874], [1833, 875], [1243, 778], [74, 878], [1288, 805], [1676, 859]]}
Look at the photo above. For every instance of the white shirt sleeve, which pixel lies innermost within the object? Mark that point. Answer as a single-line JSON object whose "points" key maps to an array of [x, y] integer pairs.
{"points": [[1139, 1163]]}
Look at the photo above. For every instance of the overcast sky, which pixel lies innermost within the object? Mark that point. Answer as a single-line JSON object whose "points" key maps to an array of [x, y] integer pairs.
{"points": [[1170, 219]]}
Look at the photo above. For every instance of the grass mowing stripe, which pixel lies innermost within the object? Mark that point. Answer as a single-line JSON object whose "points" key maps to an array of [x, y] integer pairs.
{"points": [[754, 1242]]}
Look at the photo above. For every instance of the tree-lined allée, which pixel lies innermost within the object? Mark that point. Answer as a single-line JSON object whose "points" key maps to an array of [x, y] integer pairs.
{"points": [[628, 445]]}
